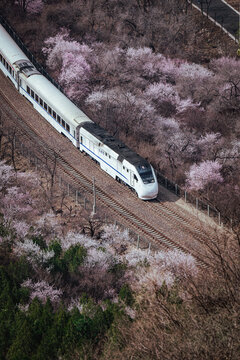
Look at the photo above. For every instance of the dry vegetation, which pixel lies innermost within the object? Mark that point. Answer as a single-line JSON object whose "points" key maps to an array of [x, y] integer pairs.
{"points": [[146, 306]]}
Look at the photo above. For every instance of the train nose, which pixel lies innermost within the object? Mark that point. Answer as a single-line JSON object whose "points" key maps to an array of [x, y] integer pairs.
{"points": [[149, 192]]}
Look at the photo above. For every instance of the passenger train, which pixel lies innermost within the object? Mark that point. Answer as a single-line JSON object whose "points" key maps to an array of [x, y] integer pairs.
{"points": [[113, 156]]}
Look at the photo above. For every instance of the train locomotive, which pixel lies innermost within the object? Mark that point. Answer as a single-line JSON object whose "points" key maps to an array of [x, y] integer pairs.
{"points": [[113, 156]]}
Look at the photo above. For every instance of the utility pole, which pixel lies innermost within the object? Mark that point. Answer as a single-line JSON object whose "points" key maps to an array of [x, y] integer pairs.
{"points": [[94, 196]]}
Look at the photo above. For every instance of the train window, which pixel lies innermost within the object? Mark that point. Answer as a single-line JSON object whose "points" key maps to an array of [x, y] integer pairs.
{"points": [[67, 127], [32, 93], [36, 97], [127, 170], [109, 156], [80, 138], [49, 110], [105, 153], [135, 178], [10, 70], [41, 102], [74, 133], [28, 90], [45, 106], [0, 57], [58, 119], [63, 123], [123, 167], [3, 61], [54, 114]]}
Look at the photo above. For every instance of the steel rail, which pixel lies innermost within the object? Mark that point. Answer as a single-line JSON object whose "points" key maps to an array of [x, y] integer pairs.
{"points": [[149, 232]]}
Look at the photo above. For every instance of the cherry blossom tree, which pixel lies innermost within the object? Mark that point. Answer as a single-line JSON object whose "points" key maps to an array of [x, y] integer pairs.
{"points": [[71, 62], [42, 290], [73, 238], [113, 234], [150, 65], [6, 175], [203, 174], [33, 252], [123, 111], [17, 203], [164, 97]]}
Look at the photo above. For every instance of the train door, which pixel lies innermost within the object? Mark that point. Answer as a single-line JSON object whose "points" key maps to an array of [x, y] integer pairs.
{"points": [[91, 146], [131, 178]]}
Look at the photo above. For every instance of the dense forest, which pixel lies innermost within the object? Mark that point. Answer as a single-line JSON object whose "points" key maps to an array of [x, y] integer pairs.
{"points": [[161, 77]]}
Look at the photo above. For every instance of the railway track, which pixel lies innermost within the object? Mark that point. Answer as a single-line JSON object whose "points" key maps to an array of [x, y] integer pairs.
{"points": [[148, 231]]}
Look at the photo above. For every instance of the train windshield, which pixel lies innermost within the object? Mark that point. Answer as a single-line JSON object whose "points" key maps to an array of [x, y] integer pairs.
{"points": [[146, 174]]}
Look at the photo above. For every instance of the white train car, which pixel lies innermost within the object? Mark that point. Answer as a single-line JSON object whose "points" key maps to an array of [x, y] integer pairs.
{"points": [[114, 157]]}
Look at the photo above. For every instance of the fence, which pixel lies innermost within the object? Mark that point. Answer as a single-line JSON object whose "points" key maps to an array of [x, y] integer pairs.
{"points": [[189, 198]]}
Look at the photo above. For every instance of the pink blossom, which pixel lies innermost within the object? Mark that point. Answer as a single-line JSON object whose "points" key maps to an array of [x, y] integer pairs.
{"points": [[73, 238], [97, 257], [154, 277], [175, 261], [136, 257], [6, 174], [33, 252], [21, 228], [112, 234], [226, 67], [17, 203], [162, 92], [72, 61], [186, 104], [43, 291], [200, 175], [193, 71]]}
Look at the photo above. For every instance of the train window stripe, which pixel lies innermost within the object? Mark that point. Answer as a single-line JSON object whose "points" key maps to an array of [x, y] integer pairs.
{"points": [[48, 114], [35, 97], [13, 71], [103, 160]]}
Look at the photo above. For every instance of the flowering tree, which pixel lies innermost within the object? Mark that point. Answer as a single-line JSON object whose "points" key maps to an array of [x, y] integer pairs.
{"points": [[71, 61], [42, 290], [124, 111], [113, 234], [33, 252], [203, 174], [30, 6], [17, 203], [6, 174]]}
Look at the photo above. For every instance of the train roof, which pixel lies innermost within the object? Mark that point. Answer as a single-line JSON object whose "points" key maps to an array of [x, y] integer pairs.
{"points": [[114, 144], [57, 100], [9, 48]]}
